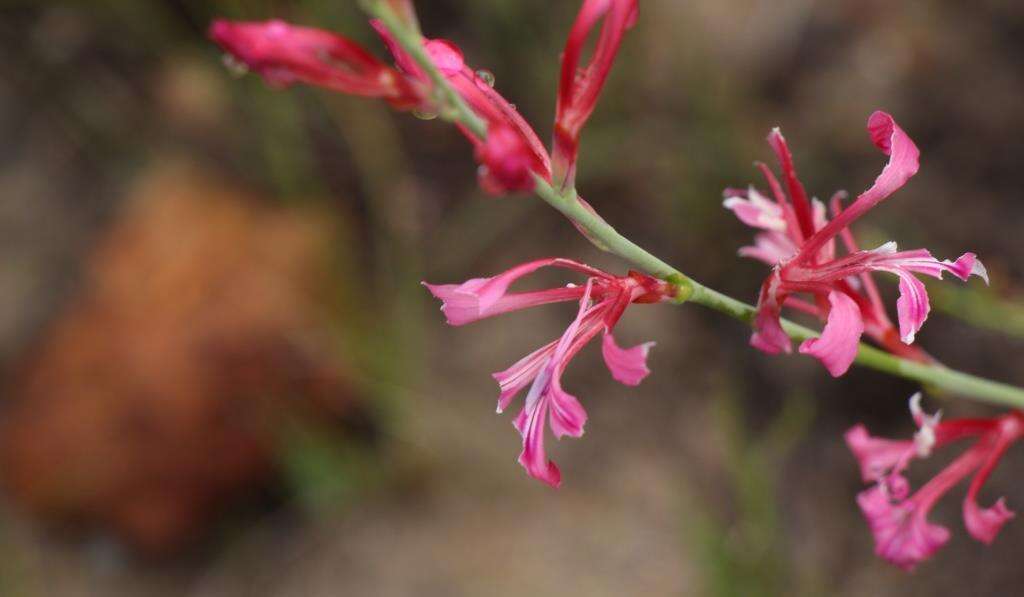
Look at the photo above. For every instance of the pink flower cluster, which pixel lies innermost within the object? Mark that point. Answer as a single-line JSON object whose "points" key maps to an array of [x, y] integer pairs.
{"points": [[799, 241], [898, 520]]}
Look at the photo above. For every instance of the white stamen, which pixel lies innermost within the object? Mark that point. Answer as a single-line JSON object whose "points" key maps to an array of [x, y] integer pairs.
{"points": [[924, 439], [887, 248]]}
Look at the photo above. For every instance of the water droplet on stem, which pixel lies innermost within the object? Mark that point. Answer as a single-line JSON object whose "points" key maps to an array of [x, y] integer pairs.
{"points": [[486, 76]]}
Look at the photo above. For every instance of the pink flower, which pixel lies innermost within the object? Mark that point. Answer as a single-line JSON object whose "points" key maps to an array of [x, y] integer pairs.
{"points": [[511, 159], [799, 242], [579, 88], [899, 521], [602, 301], [285, 54]]}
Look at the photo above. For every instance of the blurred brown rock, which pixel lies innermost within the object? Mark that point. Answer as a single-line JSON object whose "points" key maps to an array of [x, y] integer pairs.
{"points": [[153, 400]]}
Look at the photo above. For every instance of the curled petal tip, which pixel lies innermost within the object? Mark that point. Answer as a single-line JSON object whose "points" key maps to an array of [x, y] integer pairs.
{"points": [[985, 523], [881, 125], [546, 472], [627, 365], [967, 265]]}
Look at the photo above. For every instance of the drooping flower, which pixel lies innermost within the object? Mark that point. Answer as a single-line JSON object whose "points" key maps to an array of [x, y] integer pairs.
{"points": [[579, 88], [602, 301], [898, 520], [799, 241], [285, 54]]}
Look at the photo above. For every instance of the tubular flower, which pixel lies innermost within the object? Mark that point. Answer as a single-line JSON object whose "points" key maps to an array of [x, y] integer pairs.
{"points": [[508, 161], [579, 88], [799, 241], [285, 54], [602, 301], [899, 521]]}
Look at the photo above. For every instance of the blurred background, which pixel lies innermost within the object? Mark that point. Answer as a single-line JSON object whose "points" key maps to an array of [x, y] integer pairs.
{"points": [[222, 378]]}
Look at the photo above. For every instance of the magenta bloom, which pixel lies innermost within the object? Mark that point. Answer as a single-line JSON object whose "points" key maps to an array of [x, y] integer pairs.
{"points": [[285, 54], [899, 521], [602, 299], [799, 242], [579, 88]]}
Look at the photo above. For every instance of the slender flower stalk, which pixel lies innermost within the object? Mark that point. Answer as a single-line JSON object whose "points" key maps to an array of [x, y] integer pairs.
{"points": [[567, 202]]}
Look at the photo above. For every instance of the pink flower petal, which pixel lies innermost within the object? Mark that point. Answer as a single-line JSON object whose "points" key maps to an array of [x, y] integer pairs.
{"points": [[921, 261], [771, 248], [984, 523], [837, 346], [912, 307], [285, 54], [579, 88], [801, 205], [878, 457], [530, 423], [520, 375], [756, 211], [567, 417], [769, 337], [904, 157], [967, 265], [508, 164], [547, 402], [446, 56], [768, 334], [904, 161], [903, 535], [480, 298], [627, 365]]}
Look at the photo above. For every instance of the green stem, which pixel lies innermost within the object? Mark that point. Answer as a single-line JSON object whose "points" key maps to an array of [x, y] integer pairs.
{"points": [[934, 375]]}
